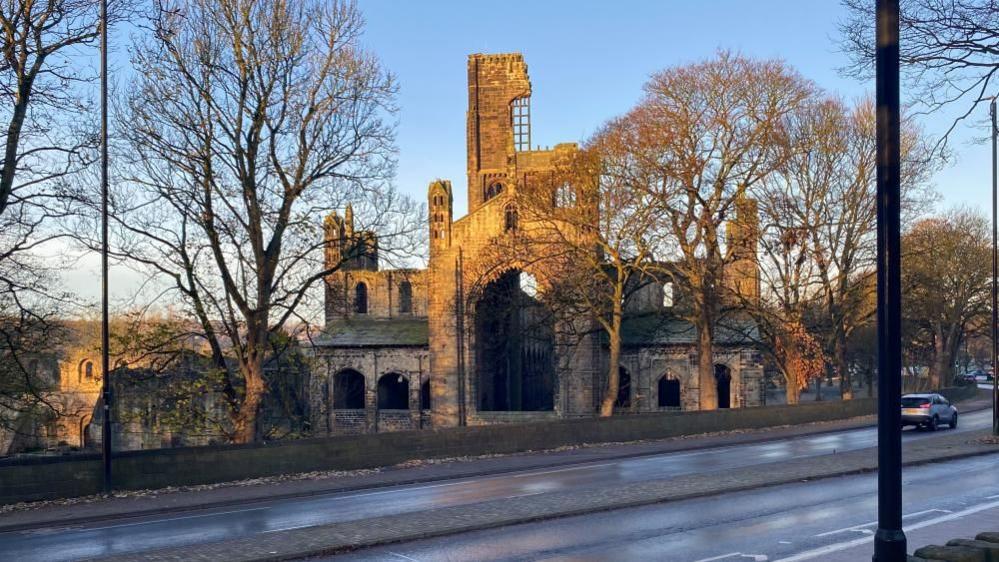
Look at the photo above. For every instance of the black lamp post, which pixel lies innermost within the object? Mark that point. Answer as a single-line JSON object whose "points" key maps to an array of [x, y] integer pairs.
{"points": [[995, 339], [889, 540], [105, 337]]}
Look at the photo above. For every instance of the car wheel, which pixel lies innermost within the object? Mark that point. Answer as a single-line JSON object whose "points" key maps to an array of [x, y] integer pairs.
{"points": [[933, 424], [953, 421]]}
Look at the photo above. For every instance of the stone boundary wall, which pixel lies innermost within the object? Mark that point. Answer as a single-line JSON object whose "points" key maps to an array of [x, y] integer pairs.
{"points": [[41, 478]]}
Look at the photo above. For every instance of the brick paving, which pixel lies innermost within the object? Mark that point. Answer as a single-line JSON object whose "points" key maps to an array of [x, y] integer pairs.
{"points": [[338, 537]]}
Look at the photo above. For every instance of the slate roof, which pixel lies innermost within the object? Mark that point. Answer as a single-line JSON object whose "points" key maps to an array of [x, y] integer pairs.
{"points": [[366, 332], [656, 329]]}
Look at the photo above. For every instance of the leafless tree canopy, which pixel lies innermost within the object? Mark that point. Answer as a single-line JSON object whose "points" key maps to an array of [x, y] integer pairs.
{"points": [[45, 106], [248, 123], [948, 50]]}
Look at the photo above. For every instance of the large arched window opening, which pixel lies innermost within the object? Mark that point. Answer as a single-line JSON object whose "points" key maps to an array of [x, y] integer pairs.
{"points": [[86, 371], [514, 346], [493, 190], [348, 390], [405, 297], [393, 392], [669, 391], [361, 298], [623, 389], [723, 379]]}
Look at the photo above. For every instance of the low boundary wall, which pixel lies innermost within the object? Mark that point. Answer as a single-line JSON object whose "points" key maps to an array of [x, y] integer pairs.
{"points": [[40, 478]]}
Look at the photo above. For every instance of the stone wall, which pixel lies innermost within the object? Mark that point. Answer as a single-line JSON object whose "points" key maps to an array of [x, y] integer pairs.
{"points": [[373, 363], [48, 478]]}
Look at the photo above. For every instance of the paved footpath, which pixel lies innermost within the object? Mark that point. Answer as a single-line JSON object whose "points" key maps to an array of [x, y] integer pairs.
{"points": [[339, 537]]}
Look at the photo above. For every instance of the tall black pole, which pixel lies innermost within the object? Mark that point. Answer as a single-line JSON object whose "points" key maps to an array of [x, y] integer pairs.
{"points": [[995, 265], [105, 336], [889, 541]]}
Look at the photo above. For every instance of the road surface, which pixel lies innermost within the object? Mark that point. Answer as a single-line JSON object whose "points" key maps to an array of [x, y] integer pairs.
{"points": [[136, 534], [804, 521]]}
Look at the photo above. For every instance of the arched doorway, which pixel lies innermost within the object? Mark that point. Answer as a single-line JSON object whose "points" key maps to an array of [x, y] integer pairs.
{"points": [[393, 392], [348, 390], [514, 346], [623, 389], [723, 379], [669, 391]]}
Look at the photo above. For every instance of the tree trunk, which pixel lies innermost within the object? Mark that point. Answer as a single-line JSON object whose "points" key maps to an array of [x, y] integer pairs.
{"points": [[845, 384], [791, 389], [706, 367], [245, 419], [818, 389], [613, 376]]}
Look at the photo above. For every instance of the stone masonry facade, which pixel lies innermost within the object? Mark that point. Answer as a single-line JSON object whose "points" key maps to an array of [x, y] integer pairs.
{"points": [[419, 348]]}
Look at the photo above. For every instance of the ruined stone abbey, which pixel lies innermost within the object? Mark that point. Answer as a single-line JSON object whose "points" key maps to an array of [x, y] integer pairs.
{"points": [[449, 345]]}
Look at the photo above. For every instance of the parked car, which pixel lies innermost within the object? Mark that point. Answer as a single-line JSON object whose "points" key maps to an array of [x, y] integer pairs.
{"points": [[968, 378], [983, 377], [928, 410]]}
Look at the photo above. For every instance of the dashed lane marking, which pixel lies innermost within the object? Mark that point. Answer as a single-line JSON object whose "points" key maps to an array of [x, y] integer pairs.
{"points": [[836, 547]]}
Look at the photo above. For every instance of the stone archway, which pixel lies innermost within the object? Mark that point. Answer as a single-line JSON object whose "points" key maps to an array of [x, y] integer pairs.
{"points": [[669, 392], [348, 390], [723, 380], [514, 346], [393, 392]]}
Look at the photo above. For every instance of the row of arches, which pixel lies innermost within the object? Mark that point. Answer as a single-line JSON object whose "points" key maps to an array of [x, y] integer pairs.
{"points": [[668, 389], [392, 391], [405, 298]]}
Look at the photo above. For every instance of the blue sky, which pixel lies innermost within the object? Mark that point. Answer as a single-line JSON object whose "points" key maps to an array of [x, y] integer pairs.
{"points": [[588, 61]]}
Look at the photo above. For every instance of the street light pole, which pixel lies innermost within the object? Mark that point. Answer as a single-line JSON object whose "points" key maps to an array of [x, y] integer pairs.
{"points": [[889, 540], [995, 270], [105, 335]]}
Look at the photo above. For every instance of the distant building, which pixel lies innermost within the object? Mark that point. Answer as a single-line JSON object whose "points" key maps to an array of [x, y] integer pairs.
{"points": [[439, 347]]}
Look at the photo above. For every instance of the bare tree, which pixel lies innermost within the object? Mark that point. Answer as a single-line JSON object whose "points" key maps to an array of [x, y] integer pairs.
{"points": [[946, 280], [948, 51], [591, 228], [703, 137], [45, 89], [829, 178], [248, 122]]}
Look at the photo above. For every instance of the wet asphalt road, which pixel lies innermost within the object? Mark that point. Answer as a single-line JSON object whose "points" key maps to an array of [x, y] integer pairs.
{"points": [[176, 529], [803, 521]]}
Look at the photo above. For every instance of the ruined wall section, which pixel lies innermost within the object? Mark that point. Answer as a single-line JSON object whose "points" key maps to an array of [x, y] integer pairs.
{"points": [[494, 82]]}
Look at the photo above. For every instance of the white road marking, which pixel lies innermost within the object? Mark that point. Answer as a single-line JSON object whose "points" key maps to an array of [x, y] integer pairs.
{"points": [[836, 547], [860, 528], [754, 557], [292, 528], [403, 556]]}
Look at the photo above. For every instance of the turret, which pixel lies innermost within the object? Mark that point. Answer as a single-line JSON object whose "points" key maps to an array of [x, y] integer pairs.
{"points": [[743, 237], [441, 213], [347, 249]]}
